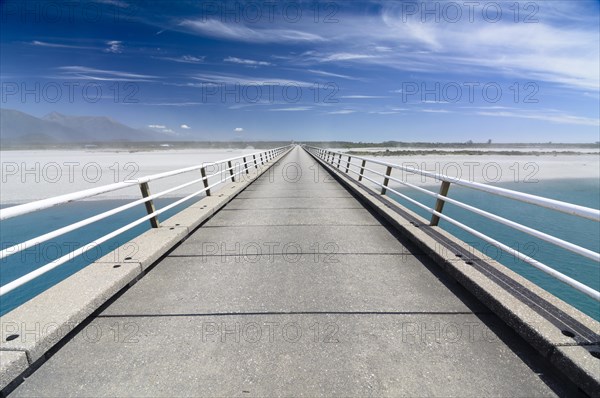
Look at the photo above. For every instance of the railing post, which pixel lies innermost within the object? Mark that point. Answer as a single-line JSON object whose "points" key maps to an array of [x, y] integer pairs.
{"points": [[439, 204], [149, 204], [348, 164], [230, 170], [339, 160], [255, 164], [386, 180], [205, 181], [362, 170], [245, 165]]}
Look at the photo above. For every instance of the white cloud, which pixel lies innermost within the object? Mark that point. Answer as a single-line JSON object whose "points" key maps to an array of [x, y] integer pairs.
{"points": [[384, 112], [346, 57], [238, 129], [246, 80], [168, 131], [173, 103], [362, 96], [186, 59], [249, 62], [341, 112], [240, 32], [92, 73], [57, 45], [114, 46], [292, 109], [551, 50], [185, 127], [553, 117], [435, 111], [116, 3], [324, 73], [157, 126], [559, 53]]}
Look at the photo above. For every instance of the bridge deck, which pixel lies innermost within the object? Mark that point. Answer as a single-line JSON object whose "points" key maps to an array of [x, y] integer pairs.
{"points": [[294, 288]]}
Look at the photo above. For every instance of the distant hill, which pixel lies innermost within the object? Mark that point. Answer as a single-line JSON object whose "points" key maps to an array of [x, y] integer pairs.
{"points": [[20, 128]]}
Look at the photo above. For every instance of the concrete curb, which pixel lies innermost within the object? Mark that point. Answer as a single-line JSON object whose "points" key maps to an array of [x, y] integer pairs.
{"points": [[29, 331], [573, 360]]}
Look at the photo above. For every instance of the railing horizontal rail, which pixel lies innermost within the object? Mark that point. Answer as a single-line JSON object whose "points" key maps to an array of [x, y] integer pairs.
{"points": [[72, 227], [269, 155], [530, 231], [581, 211], [564, 207], [26, 208]]}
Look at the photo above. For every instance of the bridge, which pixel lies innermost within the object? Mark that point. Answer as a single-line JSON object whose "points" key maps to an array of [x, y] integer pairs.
{"points": [[295, 278]]}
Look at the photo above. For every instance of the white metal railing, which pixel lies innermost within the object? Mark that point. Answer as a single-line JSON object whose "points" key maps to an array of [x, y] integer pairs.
{"points": [[334, 159], [243, 162]]}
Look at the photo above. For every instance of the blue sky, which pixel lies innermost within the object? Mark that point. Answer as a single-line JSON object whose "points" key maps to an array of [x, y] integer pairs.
{"points": [[305, 70]]}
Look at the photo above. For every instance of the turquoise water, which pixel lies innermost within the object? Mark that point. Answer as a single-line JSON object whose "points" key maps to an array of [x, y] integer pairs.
{"points": [[586, 233], [583, 232], [20, 229]]}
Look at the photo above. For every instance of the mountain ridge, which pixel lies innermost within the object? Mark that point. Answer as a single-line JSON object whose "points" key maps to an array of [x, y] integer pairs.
{"points": [[18, 127]]}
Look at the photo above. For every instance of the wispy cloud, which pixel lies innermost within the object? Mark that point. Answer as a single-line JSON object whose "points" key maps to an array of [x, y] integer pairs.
{"points": [[185, 127], [83, 72], [110, 46], [59, 45], [362, 96], [116, 3], [435, 111], [248, 62], [330, 74], [384, 112], [345, 57], [185, 59], [544, 51], [239, 32], [238, 129], [114, 46], [565, 54], [553, 117], [162, 128], [292, 109], [342, 112], [214, 78]]}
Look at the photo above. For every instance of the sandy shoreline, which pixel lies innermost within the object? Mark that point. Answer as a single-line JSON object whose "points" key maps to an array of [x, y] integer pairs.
{"points": [[38, 174]]}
